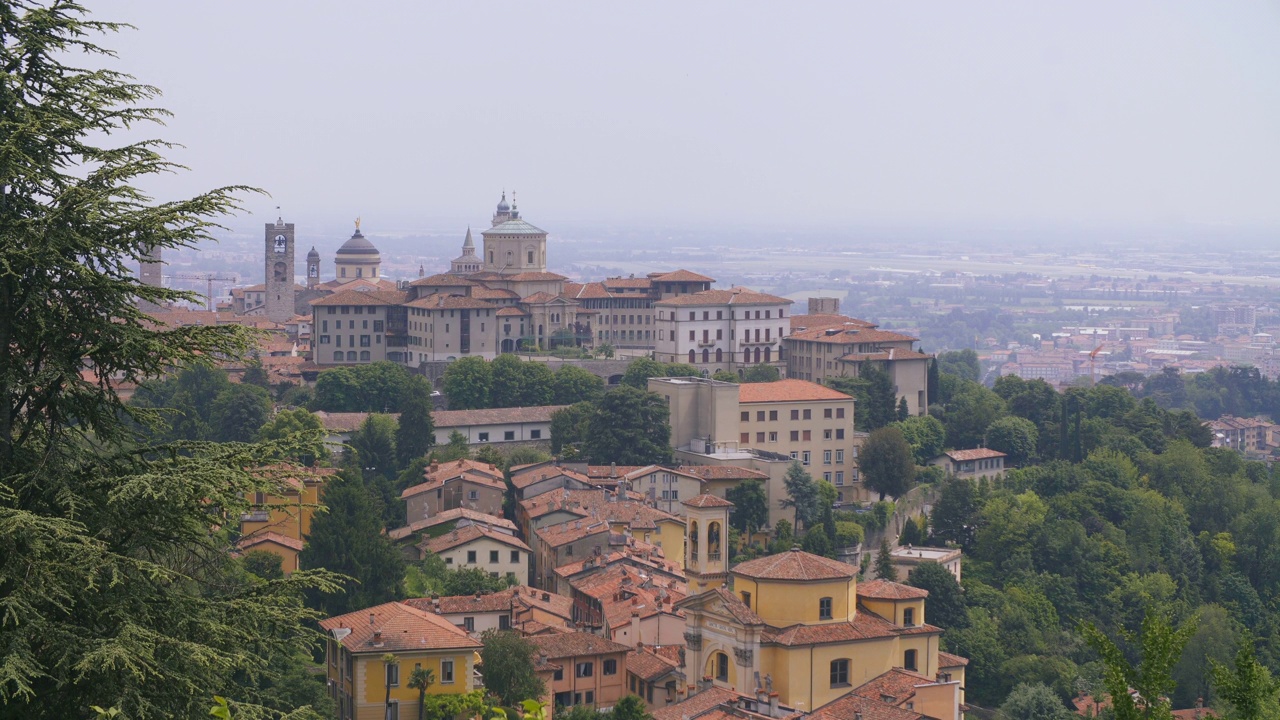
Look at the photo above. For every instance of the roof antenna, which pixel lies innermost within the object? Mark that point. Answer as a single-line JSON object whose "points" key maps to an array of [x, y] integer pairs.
{"points": [[279, 217]]}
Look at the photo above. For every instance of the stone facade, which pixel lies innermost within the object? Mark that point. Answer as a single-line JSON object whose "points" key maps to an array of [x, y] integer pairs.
{"points": [[278, 270]]}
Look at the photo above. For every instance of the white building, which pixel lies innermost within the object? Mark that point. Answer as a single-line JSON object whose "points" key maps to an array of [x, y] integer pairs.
{"points": [[723, 329]]}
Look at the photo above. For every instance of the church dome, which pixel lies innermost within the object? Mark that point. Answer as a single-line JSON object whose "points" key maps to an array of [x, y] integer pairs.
{"points": [[357, 245], [313, 254], [502, 204]]}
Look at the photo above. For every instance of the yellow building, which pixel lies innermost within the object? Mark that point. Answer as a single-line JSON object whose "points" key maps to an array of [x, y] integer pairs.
{"points": [[280, 520], [800, 625], [358, 674]]}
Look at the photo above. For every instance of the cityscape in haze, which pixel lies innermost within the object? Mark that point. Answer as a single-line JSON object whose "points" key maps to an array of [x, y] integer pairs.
{"points": [[713, 361]]}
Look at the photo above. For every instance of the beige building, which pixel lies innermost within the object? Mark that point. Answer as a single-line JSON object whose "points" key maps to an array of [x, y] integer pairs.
{"points": [[585, 669], [352, 326], [722, 329], [908, 558], [357, 258], [483, 548], [825, 346], [971, 464], [459, 484]]}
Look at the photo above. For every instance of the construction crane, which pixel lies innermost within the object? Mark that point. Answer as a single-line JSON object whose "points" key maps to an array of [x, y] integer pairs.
{"points": [[1093, 356], [209, 279]]}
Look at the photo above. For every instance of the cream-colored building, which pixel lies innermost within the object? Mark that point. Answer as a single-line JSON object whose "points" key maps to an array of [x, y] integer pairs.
{"points": [[826, 346], [908, 558], [971, 464], [730, 329], [482, 548]]}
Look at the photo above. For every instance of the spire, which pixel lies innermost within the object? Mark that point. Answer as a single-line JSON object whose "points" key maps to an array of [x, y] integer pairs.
{"points": [[468, 243]]}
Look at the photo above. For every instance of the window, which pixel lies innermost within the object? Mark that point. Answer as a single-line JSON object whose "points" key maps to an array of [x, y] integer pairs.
{"points": [[471, 556], [808, 414], [839, 456], [393, 674], [909, 660], [393, 710], [839, 477], [746, 416], [744, 438], [493, 556], [840, 412], [324, 339], [504, 622], [839, 433], [535, 434], [824, 608], [722, 667], [840, 673], [473, 494], [795, 414], [469, 624], [773, 437], [795, 436], [773, 415], [808, 435], [446, 671], [826, 457], [826, 476], [826, 412], [609, 667], [759, 416], [584, 669], [515, 556], [746, 598], [509, 435], [759, 437], [909, 617], [559, 675], [365, 341], [484, 437]]}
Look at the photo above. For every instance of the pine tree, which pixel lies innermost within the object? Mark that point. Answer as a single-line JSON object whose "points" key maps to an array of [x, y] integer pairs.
{"points": [[416, 431], [884, 562]]}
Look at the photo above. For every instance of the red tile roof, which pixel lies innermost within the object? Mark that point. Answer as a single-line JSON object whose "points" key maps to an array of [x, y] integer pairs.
{"points": [[393, 627], [440, 301], [494, 416], [787, 391], [734, 296], [947, 660], [451, 516], [886, 590], [795, 565], [696, 704], [856, 707], [576, 644], [682, 276], [535, 277], [809, 322], [470, 534], [442, 280], [849, 334], [724, 472], [361, 297], [270, 537], [707, 501], [866, 625], [524, 479], [648, 665], [894, 686], [975, 454]]}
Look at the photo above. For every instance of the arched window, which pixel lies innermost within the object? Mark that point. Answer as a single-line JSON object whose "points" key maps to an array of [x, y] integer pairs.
{"points": [[364, 355], [692, 358], [840, 673], [706, 356], [351, 355], [768, 352], [722, 667], [719, 355], [824, 608], [909, 660], [909, 617], [757, 356], [693, 540], [337, 355], [344, 272], [713, 541]]}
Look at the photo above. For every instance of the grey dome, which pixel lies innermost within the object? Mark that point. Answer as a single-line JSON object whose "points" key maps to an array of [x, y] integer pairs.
{"points": [[502, 204], [313, 253], [357, 245]]}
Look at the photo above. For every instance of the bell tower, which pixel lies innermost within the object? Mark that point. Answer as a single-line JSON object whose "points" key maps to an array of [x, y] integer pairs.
{"points": [[706, 555], [313, 268], [278, 262]]}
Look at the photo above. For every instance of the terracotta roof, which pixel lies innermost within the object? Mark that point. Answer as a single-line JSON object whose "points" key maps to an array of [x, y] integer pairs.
{"points": [[647, 665], [469, 534], [724, 472], [795, 565], [885, 356], [451, 516], [453, 467], [340, 422], [575, 644], [809, 322], [707, 501], [540, 298], [270, 537], [856, 707], [865, 625], [558, 535], [361, 297], [738, 609], [886, 590], [632, 282], [394, 626], [849, 334], [682, 276], [734, 296], [549, 602], [894, 686], [486, 602], [535, 277], [610, 471], [696, 704], [486, 293], [625, 593], [636, 553], [511, 312], [443, 280], [494, 416], [586, 291], [975, 454], [440, 479], [787, 391], [522, 480], [440, 301], [947, 660]]}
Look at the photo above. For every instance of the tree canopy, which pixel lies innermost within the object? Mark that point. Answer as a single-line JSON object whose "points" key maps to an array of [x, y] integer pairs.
{"points": [[629, 427], [887, 464]]}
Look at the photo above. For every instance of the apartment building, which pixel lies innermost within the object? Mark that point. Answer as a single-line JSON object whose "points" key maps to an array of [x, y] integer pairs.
{"points": [[722, 329], [482, 548], [826, 346], [587, 670], [459, 484], [624, 306]]}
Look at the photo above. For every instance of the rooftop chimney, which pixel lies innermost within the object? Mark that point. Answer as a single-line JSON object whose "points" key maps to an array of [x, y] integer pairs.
{"points": [[371, 619]]}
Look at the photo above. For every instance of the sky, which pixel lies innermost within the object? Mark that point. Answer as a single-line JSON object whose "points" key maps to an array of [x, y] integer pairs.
{"points": [[820, 116]]}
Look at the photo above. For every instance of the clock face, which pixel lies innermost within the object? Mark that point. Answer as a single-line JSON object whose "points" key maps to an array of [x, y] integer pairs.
{"points": [[281, 243]]}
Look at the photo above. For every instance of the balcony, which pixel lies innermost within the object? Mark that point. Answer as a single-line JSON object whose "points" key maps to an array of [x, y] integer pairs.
{"points": [[256, 516], [770, 341], [713, 557]]}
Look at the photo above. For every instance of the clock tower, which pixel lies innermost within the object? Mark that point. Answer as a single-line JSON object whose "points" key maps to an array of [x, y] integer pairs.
{"points": [[278, 263]]}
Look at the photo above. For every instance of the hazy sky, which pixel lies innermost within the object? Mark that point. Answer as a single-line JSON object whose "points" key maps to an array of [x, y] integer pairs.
{"points": [[415, 115]]}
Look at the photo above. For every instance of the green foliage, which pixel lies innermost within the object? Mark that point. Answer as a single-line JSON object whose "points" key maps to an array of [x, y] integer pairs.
{"points": [[264, 564], [629, 427], [911, 534], [887, 464], [802, 494], [750, 506], [640, 370], [1160, 645], [569, 426], [517, 383], [1247, 686], [117, 587], [761, 374], [467, 383], [725, 376], [456, 449], [884, 562], [572, 384], [971, 409], [300, 428], [348, 538], [508, 664], [373, 445], [873, 392], [255, 374], [848, 533], [680, 370], [239, 411], [415, 431], [630, 707], [1034, 702], [1015, 437], [961, 363], [816, 542], [377, 387], [945, 607]]}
